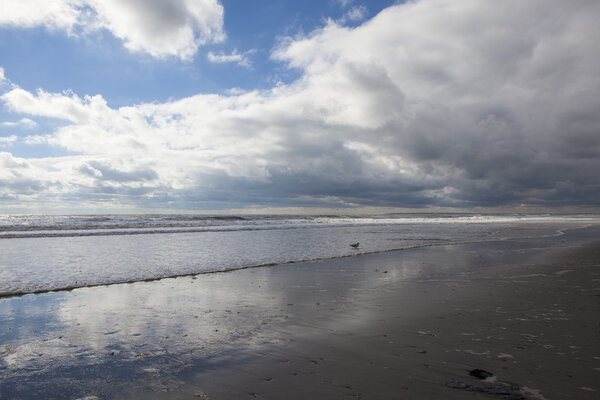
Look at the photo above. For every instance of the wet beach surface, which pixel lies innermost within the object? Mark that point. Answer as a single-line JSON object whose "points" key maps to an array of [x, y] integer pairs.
{"points": [[406, 324]]}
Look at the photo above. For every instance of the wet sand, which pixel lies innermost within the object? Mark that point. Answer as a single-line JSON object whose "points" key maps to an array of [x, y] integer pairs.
{"points": [[400, 325]]}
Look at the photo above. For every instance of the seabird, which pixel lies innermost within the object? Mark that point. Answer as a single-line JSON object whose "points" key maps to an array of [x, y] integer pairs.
{"points": [[355, 245]]}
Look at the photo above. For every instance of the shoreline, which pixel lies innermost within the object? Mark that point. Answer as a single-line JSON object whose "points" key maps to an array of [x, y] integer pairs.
{"points": [[405, 324], [6, 295]]}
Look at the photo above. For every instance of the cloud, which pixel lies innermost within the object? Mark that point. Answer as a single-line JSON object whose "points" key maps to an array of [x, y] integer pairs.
{"points": [[7, 140], [357, 13], [240, 59], [23, 122], [354, 14], [54, 14], [106, 172], [430, 103], [344, 3], [18, 179], [66, 105], [159, 27]]}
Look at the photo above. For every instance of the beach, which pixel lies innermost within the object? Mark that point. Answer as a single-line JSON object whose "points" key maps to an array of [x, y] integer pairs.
{"points": [[225, 200], [391, 325]]}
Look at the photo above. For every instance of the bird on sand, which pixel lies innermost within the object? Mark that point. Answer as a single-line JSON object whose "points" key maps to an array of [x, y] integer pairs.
{"points": [[355, 245]]}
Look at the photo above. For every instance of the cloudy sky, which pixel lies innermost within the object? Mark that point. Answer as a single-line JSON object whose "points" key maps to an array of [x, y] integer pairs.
{"points": [[174, 105]]}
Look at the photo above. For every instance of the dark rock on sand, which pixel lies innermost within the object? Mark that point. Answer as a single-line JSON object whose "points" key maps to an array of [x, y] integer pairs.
{"points": [[480, 373]]}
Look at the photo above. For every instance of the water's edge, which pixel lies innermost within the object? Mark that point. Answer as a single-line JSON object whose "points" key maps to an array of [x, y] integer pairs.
{"points": [[4, 295]]}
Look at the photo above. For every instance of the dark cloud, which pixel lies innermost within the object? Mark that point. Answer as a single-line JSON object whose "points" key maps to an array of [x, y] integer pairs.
{"points": [[105, 172], [430, 103]]}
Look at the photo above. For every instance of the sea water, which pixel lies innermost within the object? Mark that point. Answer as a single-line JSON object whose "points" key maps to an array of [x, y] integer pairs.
{"points": [[127, 340], [43, 253]]}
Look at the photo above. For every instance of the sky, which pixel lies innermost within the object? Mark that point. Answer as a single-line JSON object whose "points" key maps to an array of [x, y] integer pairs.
{"points": [[206, 105]]}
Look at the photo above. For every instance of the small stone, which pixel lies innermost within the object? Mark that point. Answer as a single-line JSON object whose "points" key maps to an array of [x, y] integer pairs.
{"points": [[480, 373]]}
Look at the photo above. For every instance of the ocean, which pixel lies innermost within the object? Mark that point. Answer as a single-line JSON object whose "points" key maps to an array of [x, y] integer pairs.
{"points": [[41, 253], [164, 339]]}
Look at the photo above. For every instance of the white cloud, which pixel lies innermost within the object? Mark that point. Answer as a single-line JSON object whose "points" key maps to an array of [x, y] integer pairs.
{"points": [[345, 3], [36, 139], [7, 140], [433, 102], [240, 59], [354, 14], [54, 14], [160, 28], [2, 78], [66, 105], [23, 122]]}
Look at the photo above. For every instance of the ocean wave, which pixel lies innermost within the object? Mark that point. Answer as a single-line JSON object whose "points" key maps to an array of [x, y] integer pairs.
{"points": [[36, 261], [35, 226]]}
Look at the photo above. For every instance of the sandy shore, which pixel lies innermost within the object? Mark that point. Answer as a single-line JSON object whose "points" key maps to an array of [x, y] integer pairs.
{"points": [[399, 325]]}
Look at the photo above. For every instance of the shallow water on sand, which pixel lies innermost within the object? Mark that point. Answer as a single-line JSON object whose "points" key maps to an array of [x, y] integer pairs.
{"points": [[146, 336], [43, 253]]}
